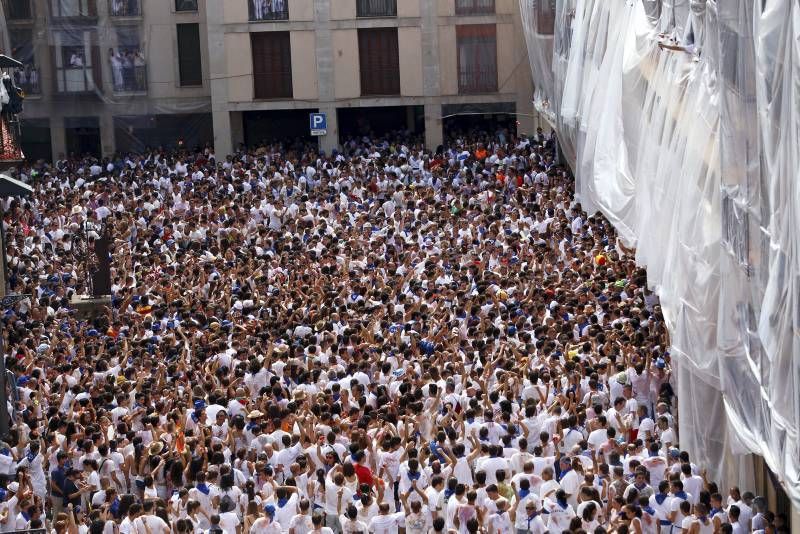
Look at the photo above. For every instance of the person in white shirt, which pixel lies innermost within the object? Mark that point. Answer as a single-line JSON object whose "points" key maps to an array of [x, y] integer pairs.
{"points": [[386, 522], [148, 522], [350, 522], [266, 524], [500, 522]]}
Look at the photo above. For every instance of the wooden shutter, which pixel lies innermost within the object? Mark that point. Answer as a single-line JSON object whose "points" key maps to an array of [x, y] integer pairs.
{"points": [[476, 53], [272, 65], [379, 60], [189, 58]]}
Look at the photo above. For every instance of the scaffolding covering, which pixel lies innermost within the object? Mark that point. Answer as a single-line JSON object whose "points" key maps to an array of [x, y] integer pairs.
{"points": [[681, 121]]}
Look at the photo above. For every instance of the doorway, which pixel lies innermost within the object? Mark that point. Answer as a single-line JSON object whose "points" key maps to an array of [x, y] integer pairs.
{"points": [[82, 136]]}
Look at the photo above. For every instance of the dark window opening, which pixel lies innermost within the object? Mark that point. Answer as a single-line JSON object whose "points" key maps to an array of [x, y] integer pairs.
{"points": [[189, 58], [185, 5]]}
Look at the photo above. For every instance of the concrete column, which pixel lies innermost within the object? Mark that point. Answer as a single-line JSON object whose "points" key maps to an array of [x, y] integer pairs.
{"points": [[329, 142], [223, 145], [237, 128], [58, 137], [107, 138], [433, 126], [218, 74], [327, 94]]}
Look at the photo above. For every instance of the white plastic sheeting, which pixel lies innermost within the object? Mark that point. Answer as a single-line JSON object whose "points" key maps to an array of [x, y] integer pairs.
{"points": [[693, 155]]}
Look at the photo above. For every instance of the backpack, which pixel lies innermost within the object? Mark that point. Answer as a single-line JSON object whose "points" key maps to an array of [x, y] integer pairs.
{"points": [[226, 503]]}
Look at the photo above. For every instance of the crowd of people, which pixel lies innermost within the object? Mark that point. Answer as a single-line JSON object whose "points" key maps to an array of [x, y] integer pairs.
{"points": [[379, 340]]}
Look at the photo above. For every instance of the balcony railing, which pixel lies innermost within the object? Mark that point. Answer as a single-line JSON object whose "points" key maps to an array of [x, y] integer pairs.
{"points": [[128, 73], [376, 8], [475, 7], [18, 9], [472, 81], [74, 80], [27, 79], [70, 9], [265, 10], [125, 8]]}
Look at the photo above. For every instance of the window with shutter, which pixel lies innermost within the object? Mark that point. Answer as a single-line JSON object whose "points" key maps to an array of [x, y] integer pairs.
{"points": [[477, 58], [189, 60], [379, 60], [272, 65]]}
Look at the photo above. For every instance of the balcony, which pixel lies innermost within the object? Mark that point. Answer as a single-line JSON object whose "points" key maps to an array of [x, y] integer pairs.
{"points": [[376, 8], [73, 9], [18, 10], [475, 7], [125, 8], [74, 80], [268, 10], [477, 81], [27, 79], [128, 72]]}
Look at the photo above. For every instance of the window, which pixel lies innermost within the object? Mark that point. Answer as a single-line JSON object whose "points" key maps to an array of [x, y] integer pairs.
{"points": [[125, 8], [128, 66], [379, 60], [26, 78], [189, 60], [268, 9], [545, 17], [272, 65], [376, 8], [185, 5], [474, 7], [477, 58], [18, 9], [76, 62], [73, 8]]}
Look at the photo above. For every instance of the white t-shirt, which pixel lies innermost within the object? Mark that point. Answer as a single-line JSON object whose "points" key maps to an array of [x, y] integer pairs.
{"points": [[386, 524], [501, 523], [301, 523], [228, 522]]}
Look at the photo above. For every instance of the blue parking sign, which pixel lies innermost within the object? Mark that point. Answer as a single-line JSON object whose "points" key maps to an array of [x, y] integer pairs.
{"points": [[318, 123]]}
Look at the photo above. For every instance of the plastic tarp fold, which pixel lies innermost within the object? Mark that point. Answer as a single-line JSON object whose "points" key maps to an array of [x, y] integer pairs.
{"points": [[693, 155]]}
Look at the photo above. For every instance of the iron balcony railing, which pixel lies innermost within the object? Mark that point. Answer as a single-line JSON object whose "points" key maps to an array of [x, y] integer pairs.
{"points": [[376, 8], [475, 7]]}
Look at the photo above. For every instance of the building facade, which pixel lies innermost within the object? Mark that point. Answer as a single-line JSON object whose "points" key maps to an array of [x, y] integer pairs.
{"points": [[107, 75]]}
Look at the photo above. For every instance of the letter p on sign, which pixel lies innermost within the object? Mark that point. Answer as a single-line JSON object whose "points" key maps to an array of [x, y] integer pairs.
{"points": [[319, 124]]}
